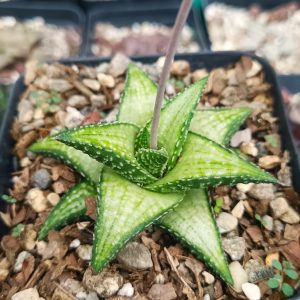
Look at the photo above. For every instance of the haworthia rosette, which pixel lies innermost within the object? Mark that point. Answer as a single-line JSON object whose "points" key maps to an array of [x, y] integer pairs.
{"points": [[174, 122], [123, 210], [192, 221], [111, 144], [70, 208], [204, 163], [81, 162]]}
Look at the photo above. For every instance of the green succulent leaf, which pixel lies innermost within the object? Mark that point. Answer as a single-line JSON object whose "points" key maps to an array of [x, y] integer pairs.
{"points": [[273, 283], [174, 122], [123, 210], [69, 209], [155, 161], [17, 230], [276, 264], [291, 274], [111, 144], [287, 289], [138, 97], [203, 163], [81, 162], [192, 221], [219, 124]]}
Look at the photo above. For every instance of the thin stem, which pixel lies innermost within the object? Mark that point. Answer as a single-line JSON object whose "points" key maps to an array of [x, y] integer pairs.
{"points": [[179, 23]]}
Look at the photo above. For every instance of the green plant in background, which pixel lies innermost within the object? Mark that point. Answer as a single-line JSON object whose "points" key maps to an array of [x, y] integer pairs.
{"points": [[260, 219], [284, 270], [136, 186], [3, 98]]}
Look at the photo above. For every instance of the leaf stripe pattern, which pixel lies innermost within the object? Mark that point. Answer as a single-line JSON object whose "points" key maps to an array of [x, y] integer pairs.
{"points": [[204, 163], [112, 144], [138, 97], [192, 221], [70, 208], [219, 124], [81, 162], [123, 210]]}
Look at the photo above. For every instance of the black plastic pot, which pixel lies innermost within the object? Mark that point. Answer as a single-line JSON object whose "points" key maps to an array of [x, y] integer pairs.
{"points": [[292, 84], [266, 5], [62, 13], [205, 60], [126, 13]]}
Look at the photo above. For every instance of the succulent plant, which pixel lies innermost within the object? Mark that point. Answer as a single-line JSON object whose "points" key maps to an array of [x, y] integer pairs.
{"points": [[136, 185]]}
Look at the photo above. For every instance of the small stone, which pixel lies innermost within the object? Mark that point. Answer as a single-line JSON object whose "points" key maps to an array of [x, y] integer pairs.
{"points": [[251, 291], [208, 278], [81, 295], [262, 191], [242, 136], [160, 278], [78, 101], [92, 84], [25, 162], [255, 69], [244, 187], [53, 198], [226, 222], [38, 114], [180, 68], [239, 275], [106, 80], [291, 216], [162, 292], [92, 296], [29, 237], [98, 101], [59, 85], [127, 290], [4, 269], [105, 284], [235, 247], [206, 297], [135, 256], [73, 286], [199, 74], [41, 179], [249, 149], [282, 210], [257, 272], [84, 252], [118, 65], [269, 162], [73, 117], [36, 199], [292, 232], [270, 257], [278, 226], [267, 222], [25, 109], [28, 294], [238, 210], [75, 244], [20, 259], [3, 274]]}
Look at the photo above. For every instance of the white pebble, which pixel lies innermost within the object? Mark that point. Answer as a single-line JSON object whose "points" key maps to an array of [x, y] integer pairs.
{"points": [[127, 290], [209, 278], [20, 259], [84, 252], [251, 291], [75, 244]]}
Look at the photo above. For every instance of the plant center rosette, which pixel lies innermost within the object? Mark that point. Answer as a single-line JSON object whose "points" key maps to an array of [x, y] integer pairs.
{"points": [[136, 186]]}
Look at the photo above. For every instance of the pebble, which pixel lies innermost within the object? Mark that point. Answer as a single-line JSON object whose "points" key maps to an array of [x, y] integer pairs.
{"points": [[25, 162], [78, 101], [235, 247], [206, 297], [239, 275], [75, 244], [4, 269], [270, 257], [160, 278], [73, 117], [242, 136], [127, 290], [59, 85], [269, 162], [92, 84], [41, 179], [106, 80], [118, 64], [267, 222], [251, 291], [29, 237], [105, 284], [53, 198], [226, 222], [25, 110], [262, 191], [180, 68], [28, 294], [238, 210], [283, 211], [92, 296], [257, 271], [278, 226], [162, 292], [135, 256], [209, 278], [98, 101], [36, 199], [242, 187], [249, 148], [38, 114], [84, 252], [73, 286]]}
